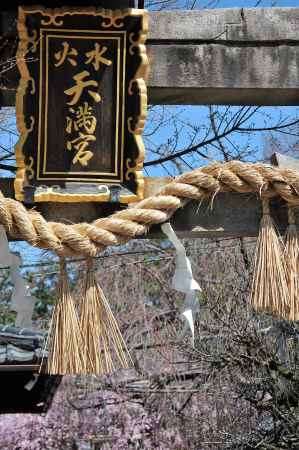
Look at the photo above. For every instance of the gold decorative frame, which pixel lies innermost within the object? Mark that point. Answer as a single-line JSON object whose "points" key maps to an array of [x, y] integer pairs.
{"points": [[27, 47]]}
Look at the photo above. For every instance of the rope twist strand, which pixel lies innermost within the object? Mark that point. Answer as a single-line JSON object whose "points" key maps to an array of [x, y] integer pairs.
{"points": [[89, 239]]}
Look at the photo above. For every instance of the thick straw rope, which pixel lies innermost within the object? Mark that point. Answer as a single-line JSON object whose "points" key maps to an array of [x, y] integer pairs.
{"points": [[89, 239]]}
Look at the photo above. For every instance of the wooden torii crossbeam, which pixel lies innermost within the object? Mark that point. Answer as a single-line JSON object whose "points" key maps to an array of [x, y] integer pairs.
{"points": [[233, 56]]}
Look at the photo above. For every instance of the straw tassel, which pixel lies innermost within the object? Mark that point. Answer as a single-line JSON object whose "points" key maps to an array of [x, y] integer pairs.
{"points": [[270, 291], [65, 341], [292, 261], [103, 341]]}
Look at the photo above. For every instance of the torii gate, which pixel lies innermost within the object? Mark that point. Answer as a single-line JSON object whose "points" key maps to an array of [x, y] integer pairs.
{"points": [[228, 56]]}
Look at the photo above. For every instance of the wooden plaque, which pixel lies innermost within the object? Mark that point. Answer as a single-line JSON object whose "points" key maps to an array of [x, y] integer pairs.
{"points": [[81, 104]]}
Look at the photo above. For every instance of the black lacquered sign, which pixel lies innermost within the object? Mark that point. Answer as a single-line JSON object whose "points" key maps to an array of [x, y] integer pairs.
{"points": [[81, 104]]}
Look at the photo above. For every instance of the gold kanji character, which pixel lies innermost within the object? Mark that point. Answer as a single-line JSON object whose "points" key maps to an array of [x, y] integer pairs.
{"points": [[69, 125], [77, 90], [84, 119], [96, 56], [80, 144], [64, 54]]}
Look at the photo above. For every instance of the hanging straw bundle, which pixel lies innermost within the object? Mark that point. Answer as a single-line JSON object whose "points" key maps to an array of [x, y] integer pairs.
{"points": [[102, 338], [65, 338], [292, 261], [270, 288]]}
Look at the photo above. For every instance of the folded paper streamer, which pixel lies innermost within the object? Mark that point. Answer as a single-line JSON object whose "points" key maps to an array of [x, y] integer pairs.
{"points": [[183, 280], [21, 300]]}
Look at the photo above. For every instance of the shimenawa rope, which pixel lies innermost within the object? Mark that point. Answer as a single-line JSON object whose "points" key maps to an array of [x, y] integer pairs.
{"points": [[86, 345], [89, 239]]}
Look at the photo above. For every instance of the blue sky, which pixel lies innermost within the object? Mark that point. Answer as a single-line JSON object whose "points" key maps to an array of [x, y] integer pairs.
{"points": [[197, 114], [239, 3], [198, 117], [252, 3]]}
